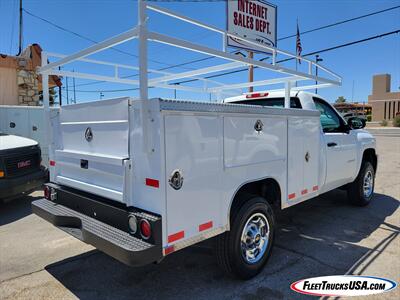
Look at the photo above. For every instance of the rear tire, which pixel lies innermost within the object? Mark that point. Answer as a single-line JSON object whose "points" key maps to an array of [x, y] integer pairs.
{"points": [[361, 190], [243, 251]]}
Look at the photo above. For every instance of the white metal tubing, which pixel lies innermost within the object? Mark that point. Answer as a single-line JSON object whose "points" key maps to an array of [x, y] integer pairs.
{"points": [[225, 34], [143, 79], [297, 88], [183, 18], [311, 87], [255, 83], [274, 57], [205, 50], [94, 77], [123, 37], [46, 105], [107, 63], [142, 50], [287, 94], [116, 72], [119, 80], [206, 70]]}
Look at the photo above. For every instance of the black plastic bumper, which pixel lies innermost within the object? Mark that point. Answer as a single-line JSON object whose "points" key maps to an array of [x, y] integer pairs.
{"points": [[109, 239], [11, 187]]}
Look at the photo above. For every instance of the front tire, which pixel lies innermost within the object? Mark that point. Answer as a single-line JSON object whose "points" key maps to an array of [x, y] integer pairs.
{"points": [[361, 190], [244, 250]]}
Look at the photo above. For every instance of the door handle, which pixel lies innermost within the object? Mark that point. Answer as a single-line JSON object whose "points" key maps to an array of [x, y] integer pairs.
{"points": [[331, 144]]}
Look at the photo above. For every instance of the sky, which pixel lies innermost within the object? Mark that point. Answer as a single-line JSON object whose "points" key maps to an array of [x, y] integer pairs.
{"points": [[101, 19]]}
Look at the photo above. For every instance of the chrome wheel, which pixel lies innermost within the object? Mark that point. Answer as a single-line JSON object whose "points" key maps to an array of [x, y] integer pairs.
{"points": [[255, 238], [368, 184]]}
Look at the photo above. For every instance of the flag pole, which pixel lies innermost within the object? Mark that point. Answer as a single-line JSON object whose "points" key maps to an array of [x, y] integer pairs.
{"points": [[297, 23]]}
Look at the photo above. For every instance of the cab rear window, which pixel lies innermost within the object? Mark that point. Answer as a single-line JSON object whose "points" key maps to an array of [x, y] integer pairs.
{"points": [[272, 102]]}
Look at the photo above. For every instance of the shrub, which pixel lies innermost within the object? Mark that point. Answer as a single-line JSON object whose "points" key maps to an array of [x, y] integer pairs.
{"points": [[369, 118], [396, 121], [384, 123]]}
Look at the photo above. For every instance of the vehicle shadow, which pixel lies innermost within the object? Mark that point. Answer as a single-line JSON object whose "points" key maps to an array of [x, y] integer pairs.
{"points": [[315, 238], [15, 209]]}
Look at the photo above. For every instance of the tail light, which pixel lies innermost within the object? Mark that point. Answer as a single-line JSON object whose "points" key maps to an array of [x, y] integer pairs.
{"points": [[50, 193], [145, 229]]}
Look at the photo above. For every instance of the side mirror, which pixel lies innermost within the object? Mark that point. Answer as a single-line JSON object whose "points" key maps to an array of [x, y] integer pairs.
{"points": [[356, 123]]}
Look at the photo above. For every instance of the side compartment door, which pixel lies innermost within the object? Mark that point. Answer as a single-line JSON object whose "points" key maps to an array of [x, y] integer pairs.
{"points": [[311, 147], [303, 158], [193, 152]]}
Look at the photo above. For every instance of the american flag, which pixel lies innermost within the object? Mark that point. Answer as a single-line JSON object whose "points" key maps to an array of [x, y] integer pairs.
{"points": [[298, 43]]}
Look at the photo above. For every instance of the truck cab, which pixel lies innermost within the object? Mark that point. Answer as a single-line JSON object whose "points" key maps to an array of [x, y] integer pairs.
{"points": [[20, 166], [344, 144]]}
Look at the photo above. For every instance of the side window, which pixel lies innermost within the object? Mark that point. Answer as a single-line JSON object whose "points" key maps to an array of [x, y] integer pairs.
{"points": [[272, 102], [330, 121]]}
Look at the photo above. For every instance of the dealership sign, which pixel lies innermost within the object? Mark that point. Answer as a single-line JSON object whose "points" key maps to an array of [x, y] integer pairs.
{"points": [[254, 20]]}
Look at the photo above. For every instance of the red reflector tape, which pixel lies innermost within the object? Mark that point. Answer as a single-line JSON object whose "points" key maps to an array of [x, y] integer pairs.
{"points": [[205, 226], [152, 182], [52, 163], [315, 188], [305, 191], [176, 236], [169, 250], [292, 196]]}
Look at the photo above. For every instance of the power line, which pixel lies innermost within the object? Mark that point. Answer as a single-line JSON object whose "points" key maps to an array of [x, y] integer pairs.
{"points": [[341, 22], [308, 54], [280, 61], [293, 35], [168, 66], [86, 38], [279, 39]]}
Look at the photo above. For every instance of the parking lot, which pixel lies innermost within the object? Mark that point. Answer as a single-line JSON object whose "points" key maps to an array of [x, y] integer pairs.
{"points": [[324, 236]]}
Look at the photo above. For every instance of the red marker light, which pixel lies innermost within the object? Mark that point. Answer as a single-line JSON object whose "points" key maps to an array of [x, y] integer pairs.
{"points": [[256, 95]]}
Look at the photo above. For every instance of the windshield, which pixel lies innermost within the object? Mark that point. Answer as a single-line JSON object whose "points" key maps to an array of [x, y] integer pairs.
{"points": [[271, 102]]}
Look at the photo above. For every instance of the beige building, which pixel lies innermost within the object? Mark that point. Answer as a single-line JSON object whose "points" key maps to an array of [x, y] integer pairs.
{"points": [[19, 82], [385, 104]]}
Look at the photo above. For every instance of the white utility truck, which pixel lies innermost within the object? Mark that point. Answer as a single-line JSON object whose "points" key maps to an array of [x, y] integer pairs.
{"points": [[142, 178]]}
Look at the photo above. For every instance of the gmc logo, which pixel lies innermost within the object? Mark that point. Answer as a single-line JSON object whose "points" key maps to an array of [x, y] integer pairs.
{"points": [[23, 164]]}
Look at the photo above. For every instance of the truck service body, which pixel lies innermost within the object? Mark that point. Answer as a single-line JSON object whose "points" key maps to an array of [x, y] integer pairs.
{"points": [[141, 178]]}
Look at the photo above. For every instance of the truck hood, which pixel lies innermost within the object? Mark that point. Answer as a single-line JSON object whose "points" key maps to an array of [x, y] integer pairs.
{"points": [[12, 141]]}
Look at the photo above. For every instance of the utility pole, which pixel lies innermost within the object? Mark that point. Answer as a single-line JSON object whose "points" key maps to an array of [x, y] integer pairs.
{"points": [[66, 83], [352, 92], [20, 29], [251, 71], [317, 60], [73, 82], [59, 90]]}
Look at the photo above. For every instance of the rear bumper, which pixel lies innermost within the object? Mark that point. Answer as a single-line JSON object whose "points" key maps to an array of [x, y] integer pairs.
{"points": [[11, 187], [109, 239]]}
